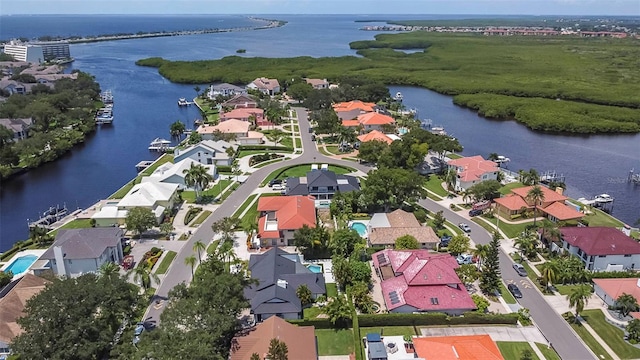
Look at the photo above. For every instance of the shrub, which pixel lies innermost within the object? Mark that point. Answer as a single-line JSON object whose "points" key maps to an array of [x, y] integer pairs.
{"points": [[421, 215], [516, 216], [223, 168], [255, 159], [154, 250], [264, 147], [613, 274], [126, 250], [359, 215], [191, 214], [318, 323]]}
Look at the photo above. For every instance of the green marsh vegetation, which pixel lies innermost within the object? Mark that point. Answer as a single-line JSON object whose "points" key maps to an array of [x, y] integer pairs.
{"points": [[554, 84]]}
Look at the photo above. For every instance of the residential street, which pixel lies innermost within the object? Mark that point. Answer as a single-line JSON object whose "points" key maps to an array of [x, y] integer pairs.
{"points": [[554, 328]]}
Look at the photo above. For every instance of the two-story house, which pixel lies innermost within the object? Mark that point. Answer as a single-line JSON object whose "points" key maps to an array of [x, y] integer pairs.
{"points": [[225, 90], [322, 185], [473, 170], [281, 216], [352, 109], [601, 248], [265, 86], [371, 121], [235, 127], [554, 205], [208, 152], [19, 127]]}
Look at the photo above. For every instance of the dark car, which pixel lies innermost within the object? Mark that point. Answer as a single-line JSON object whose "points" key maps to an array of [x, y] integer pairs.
{"points": [[444, 241], [513, 289], [275, 182], [475, 212], [520, 269]]}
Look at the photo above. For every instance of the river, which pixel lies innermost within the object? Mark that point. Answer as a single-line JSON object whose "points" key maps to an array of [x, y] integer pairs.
{"points": [[145, 106]]}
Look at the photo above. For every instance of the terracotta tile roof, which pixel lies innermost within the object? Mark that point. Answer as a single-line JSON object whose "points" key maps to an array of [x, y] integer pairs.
{"points": [[372, 135], [233, 126], [13, 303], [242, 113], [291, 212], [467, 347], [473, 167], [511, 202], [350, 123], [401, 218], [600, 240], [616, 287], [353, 105], [374, 118], [549, 195], [388, 235], [300, 340], [562, 212], [265, 83], [635, 314]]}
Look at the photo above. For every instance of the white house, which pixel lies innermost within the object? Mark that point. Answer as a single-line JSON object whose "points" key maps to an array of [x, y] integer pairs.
{"points": [[207, 152], [318, 84], [473, 170], [266, 86], [601, 248], [174, 173], [610, 289], [225, 89], [80, 251]]}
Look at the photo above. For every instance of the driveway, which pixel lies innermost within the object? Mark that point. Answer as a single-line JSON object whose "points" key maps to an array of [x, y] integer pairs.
{"points": [[497, 333]]}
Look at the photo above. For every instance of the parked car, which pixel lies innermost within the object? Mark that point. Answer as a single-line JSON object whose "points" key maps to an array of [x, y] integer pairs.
{"points": [[275, 182], [464, 259], [465, 227], [313, 137], [513, 289], [138, 329], [475, 212], [520, 269], [279, 187], [444, 241]]}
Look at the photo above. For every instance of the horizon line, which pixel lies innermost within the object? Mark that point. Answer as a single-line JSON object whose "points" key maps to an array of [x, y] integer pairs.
{"points": [[327, 14]]}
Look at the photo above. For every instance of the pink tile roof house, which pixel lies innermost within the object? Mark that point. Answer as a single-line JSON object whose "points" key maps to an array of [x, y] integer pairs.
{"points": [[266, 86], [243, 114], [553, 204], [417, 280], [472, 170]]}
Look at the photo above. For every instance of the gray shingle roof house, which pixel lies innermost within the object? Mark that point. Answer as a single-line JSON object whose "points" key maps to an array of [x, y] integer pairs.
{"points": [[279, 274], [19, 127], [321, 184], [79, 251]]}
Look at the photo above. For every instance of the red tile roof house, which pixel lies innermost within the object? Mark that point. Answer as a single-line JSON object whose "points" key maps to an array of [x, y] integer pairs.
{"points": [[553, 206], [376, 135], [266, 86], [281, 216], [244, 114], [610, 289], [473, 170], [601, 248], [370, 121], [420, 281], [352, 109]]}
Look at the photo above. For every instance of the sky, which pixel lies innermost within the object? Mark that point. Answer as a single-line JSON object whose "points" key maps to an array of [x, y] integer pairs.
{"points": [[479, 7]]}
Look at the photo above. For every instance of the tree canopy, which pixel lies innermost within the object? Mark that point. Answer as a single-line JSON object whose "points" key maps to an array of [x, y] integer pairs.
{"points": [[140, 219], [389, 188], [407, 242]]}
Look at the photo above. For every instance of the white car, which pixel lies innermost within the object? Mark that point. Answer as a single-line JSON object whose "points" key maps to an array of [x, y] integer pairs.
{"points": [[464, 259], [278, 187], [465, 227]]}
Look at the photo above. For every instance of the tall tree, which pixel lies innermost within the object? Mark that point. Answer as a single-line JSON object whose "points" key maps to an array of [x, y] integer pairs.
{"points": [[549, 271], [480, 252], [579, 297], [339, 311], [625, 304], [199, 247], [177, 128], [191, 261], [276, 136], [197, 177], [390, 188], [304, 294], [144, 276], [459, 244], [527, 243], [490, 278], [407, 242], [255, 356], [277, 350], [344, 241], [370, 151], [140, 219], [633, 329], [327, 121], [108, 270], [536, 196]]}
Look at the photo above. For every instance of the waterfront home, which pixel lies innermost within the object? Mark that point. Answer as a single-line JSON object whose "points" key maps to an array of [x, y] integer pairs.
{"points": [[458, 347], [322, 185], [208, 152], [13, 299], [300, 340], [19, 127], [352, 109], [318, 84], [553, 206], [385, 228], [238, 128], [240, 101], [601, 248], [250, 115], [170, 173], [609, 290], [370, 121], [281, 216], [79, 251], [376, 135], [420, 281], [156, 196], [278, 275], [265, 86], [472, 170], [225, 90]]}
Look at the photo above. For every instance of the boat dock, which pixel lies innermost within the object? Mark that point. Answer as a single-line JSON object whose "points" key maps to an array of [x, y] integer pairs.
{"points": [[142, 165], [184, 102], [49, 218], [106, 97], [104, 116], [551, 176], [159, 144]]}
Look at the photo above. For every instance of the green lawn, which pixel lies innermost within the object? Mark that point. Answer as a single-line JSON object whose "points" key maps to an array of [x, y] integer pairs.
{"points": [[120, 193], [213, 246], [512, 350], [311, 312], [600, 218], [506, 295], [454, 156], [244, 153], [434, 184], [214, 191], [230, 191], [612, 335], [388, 330], [165, 158], [548, 353], [334, 342], [77, 224], [298, 143], [244, 205], [332, 290], [201, 218], [268, 162], [507, 188], [565, 289], [166, 261], [590, 341]]}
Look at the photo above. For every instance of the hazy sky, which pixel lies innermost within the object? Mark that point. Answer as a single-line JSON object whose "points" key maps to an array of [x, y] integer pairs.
{"points": [[515, 7]]}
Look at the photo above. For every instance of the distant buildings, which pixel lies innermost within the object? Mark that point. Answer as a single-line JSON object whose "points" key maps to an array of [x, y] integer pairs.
{"points": [[318, 84], [38, 52], [19, 127], [265, 86], [225, 89], [352, 109]]}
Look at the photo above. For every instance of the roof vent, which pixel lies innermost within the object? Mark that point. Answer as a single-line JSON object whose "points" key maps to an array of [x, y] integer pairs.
{"points": [[282, 283]]}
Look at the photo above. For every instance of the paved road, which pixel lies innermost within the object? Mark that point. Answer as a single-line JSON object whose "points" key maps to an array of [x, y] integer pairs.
{"points": [[552, 325], [179, 272]]}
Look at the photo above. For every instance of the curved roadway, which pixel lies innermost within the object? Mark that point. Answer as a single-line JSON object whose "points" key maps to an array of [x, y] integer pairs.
{"points": [[552, 325]]}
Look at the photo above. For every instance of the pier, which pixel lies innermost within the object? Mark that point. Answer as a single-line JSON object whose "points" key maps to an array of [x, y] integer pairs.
{"points": [[551, 176], [142, 165]]}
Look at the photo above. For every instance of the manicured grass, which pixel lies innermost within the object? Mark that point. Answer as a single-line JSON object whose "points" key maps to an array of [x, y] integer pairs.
{"points": [[565, 289], [166, 261], [311, 312], [506, 295], [268, 162], [334, 342], [600, 218], [611, 334], [484, 224], [512, 350], [190, 196], [323, 151], [301, 170], [333, 149], [244, 205], [388, 330], [434, 184], [332, 290], [298, 143], [453, 156], [230, 191], [165, 158], [548, 353], [590, 341], [120, 193], [201, 218], [77, 224], [213, 246], [507, 188], [244, 153]]}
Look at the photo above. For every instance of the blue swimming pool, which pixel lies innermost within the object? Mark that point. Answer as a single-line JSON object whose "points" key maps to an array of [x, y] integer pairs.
{"points": [[21, 264], [315, 268], [360, 228]]}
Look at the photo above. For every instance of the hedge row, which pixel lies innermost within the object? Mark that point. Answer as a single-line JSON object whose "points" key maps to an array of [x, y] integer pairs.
{"points": [[614, 274], [264, 147], [223, 168]]}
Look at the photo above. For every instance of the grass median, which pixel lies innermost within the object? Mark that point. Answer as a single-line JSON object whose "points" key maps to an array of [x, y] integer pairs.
{"points": [[166, 262]]}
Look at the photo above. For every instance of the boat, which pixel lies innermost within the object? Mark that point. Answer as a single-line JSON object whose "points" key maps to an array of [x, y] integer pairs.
{"points": [[183, 102], [107, 97], [104, 115], [501, 159], [398, 97], [159, 144], [603, 198], [438, 130], [50, 217]]}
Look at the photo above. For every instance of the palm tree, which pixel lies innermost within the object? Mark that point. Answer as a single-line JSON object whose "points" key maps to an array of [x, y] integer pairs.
{"points": [[450, 177], [108, 270], [550, 232], [197, 90], [549, 270], [177, 128], [277, 350], [346, 135], [493, 157], [199, 247], [304, 294], [255, 356], [276, 136], [527, 243], [480, 252], [197, 177], [166, 228], [191, 261], [625, 304], [144, 276], [535, 195], [579, 297], [339, 310]]}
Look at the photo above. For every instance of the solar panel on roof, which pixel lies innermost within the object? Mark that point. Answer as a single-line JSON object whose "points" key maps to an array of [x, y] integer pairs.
{"points": [[381, 259]]}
